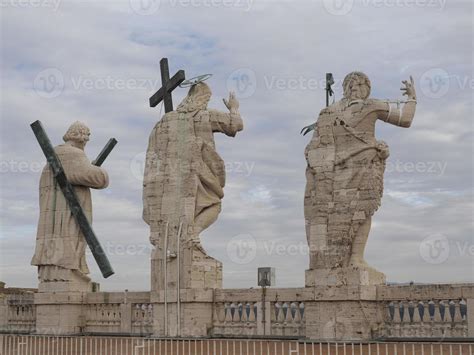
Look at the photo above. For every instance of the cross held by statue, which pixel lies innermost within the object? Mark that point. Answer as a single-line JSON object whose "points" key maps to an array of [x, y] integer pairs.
{"points": [[168, 85]]}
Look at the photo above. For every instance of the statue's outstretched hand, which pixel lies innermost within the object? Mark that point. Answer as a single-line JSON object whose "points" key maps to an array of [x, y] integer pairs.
{"points": [[409, 88], [232, 104], [308, 129]]}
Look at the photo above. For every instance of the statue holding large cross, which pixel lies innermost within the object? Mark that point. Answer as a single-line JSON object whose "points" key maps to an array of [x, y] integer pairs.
{"points": [[66, 211], [183, 184]]}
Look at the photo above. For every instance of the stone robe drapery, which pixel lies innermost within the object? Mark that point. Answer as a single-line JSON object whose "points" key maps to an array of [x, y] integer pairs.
{"points": [[344, 181], [184, 175], [59, 241]]}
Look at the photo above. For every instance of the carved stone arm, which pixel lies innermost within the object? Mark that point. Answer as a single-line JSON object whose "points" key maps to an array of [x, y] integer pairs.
{"points": [[396, 114]]}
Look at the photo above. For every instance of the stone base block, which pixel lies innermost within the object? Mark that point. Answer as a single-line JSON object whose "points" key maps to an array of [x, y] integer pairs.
{"points": [[201, 270], [60, 313], [65, 286], [344, 277], [196, 270], [191, 318], [348, 321]]}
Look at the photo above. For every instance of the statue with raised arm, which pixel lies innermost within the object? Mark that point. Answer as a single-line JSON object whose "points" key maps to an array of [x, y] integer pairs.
{"points": [[345, 167], [183, 188]]}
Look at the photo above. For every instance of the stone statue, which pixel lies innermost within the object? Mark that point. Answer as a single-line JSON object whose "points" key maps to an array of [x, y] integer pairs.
{"points": [[183, 187], [60, 246], [345, 180]]}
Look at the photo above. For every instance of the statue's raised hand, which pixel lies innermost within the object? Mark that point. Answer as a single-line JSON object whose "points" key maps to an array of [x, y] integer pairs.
{"points": [[232, 104], [409, 88]]}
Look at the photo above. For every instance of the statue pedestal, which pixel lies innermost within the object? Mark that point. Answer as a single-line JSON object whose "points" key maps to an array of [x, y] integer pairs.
{"points": [[65, 286], [196, 270], [350, 313], [350, 276], [192, 316], [60, 313], [59, 302], [58, 279]]}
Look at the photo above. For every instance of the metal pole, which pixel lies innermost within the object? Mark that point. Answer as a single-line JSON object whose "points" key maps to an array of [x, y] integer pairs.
{"points": [[165, 266], [263, 310], [327, 97], [329, 82], [179, 278]]}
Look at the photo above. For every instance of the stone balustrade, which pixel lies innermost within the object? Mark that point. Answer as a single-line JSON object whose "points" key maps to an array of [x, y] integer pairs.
{"points": [[142, 318], [103, 318], [411, 311], [443, 318], [288, 319], [21, 313], [425, 311]]}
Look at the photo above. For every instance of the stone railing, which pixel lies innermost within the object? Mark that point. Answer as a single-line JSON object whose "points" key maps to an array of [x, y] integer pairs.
{"points": [[441, 319], [142, 318], [103, 317], [237, 318], [426, 311], [119, 313], [277, 312], [288, 319], [21, 313], [415, 311]]}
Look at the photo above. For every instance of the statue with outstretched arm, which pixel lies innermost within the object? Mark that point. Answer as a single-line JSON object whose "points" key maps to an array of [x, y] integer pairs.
{"points": [[345, 167]]}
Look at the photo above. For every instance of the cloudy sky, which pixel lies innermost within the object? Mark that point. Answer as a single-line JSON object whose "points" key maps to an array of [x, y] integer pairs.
{"points": [[97, 62]]}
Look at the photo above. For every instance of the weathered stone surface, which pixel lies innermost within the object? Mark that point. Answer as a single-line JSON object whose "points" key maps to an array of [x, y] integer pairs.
{"points": [[60, 245], [349, 320], [183, 187], [345, 182]]}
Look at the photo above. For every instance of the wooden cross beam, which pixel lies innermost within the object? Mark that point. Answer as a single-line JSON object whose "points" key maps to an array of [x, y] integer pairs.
{"points": [[71, 197], [168, 85]]}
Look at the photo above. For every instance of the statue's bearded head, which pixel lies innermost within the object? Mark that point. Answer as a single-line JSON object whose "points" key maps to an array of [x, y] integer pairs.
{"points": [[77, 135], [356, 86], [197, 99]]}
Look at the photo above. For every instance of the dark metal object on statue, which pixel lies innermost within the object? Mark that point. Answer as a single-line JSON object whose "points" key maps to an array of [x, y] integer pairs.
{"points": [[329, 83], [71, 197], [329, 93], [168, 85], [195, 80], [105, 152]]}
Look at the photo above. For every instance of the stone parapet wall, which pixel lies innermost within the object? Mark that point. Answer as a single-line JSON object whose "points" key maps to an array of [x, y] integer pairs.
{"points": [[318, 313], [426, 311]]}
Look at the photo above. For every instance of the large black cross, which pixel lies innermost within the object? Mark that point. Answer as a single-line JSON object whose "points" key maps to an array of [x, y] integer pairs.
{"points": [[70, 194], [168, 85]]}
